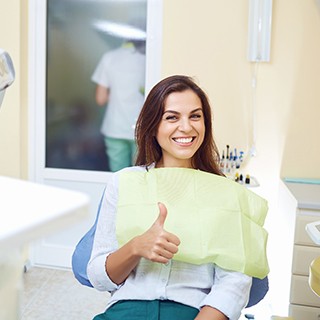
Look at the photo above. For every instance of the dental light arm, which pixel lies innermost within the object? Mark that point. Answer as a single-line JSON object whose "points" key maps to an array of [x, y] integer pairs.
{"points": [[7, 74]]}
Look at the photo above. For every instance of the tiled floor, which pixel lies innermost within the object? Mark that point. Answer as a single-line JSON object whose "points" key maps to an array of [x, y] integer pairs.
{"points": [[55, 294]]}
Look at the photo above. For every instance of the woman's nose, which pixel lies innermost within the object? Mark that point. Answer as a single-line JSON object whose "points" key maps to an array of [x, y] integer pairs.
{"points": [[185, 125]]}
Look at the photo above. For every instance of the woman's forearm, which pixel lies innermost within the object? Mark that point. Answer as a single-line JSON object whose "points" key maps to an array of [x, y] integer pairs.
{"points": [[120, 263], [209, 313]]}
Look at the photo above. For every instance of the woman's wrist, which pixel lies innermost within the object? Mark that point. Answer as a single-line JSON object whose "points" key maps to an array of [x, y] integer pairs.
{"points": [[120, 263], [135, 247], [210, 313]]}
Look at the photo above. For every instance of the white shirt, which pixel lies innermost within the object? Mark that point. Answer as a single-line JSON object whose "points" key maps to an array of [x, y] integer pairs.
{"points": [[122, 71], [192, 285]]}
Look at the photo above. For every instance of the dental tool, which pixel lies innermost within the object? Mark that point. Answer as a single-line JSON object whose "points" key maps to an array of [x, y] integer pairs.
{"points": [[7, 73]]}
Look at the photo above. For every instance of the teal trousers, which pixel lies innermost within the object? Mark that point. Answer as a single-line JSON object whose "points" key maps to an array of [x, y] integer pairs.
{"points": [[121, 153], [148, 310]]}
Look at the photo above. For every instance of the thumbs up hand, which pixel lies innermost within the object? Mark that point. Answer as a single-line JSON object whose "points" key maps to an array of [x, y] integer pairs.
{"points": [[156, 244], [162, 215]]}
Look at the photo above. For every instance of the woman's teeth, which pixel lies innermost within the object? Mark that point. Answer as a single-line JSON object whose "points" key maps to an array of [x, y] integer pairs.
{"points": [[183, 140]]}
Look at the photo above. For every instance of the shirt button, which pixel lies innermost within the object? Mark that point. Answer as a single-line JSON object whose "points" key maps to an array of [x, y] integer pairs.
{"points": [[163, 280]]}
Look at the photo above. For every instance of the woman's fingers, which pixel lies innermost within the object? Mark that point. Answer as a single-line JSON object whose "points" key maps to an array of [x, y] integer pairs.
{"points": [[172, 238], [156, 244]]}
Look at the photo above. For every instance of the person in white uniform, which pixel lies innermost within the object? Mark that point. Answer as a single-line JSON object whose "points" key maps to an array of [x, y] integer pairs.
{"points": [[120, 79]]}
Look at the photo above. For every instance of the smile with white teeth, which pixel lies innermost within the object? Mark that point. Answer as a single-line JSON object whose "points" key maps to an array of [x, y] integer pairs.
{"points": [[183, 140]]}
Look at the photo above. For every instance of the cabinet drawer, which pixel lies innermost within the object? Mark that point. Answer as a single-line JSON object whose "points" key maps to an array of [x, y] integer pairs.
{"points": [[301, 235], [302, 257], [304, 313], [301, 293]]}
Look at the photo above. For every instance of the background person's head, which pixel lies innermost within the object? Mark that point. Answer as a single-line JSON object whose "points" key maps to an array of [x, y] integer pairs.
{"points": [[149, 150]]}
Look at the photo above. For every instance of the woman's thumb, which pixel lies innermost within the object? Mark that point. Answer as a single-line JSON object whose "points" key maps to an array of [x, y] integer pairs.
{"points": [[162, 214]]}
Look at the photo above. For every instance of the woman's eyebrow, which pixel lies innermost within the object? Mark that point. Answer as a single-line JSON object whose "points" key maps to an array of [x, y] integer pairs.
{"points": [[176, 112], [171, 111], [196, 110]]}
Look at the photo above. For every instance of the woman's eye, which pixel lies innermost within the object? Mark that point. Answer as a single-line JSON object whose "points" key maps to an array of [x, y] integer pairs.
{"points": [[196, 116], [171, 118]]}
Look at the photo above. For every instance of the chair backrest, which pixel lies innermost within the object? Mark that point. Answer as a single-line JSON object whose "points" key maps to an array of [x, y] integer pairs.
{"points": [[82, 253]]}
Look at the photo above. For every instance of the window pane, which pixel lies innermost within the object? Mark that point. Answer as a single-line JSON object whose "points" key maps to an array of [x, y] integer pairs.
{"points": [[83, 39]]}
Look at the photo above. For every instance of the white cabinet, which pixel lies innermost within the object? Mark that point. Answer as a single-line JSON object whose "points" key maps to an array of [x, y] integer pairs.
{"points": [[304, 304], [29, 211], [304, 313]]}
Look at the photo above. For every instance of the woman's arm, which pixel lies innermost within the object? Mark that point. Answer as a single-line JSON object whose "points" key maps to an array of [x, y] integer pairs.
{"points": [[110, 265], [155, 244], [228, 296], [207, 313]]}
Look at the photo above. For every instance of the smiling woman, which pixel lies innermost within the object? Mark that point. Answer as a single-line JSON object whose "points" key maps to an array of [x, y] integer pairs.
{"points": [[153, 236], [177, 100], [181, 130]]}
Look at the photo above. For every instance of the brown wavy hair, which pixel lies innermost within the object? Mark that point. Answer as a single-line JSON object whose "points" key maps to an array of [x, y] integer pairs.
{"points": [[206, 157]]}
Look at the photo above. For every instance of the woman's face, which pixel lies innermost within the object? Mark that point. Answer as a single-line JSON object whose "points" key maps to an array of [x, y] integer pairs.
{"points": [[181, 130]]}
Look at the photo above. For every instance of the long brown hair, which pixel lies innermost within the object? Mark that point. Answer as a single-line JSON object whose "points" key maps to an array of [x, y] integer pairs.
{"points": [[149, 151]]}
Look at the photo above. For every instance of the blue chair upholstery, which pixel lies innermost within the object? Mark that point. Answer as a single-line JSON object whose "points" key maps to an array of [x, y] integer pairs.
{"points": [[81, 256], [82, 253], [259, 289]]}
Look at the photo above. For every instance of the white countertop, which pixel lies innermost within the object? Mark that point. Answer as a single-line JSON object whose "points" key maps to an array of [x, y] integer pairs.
{"points": [[306, 194], [29, 211]]}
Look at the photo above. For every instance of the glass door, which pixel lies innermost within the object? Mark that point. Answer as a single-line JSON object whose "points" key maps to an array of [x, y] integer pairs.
{"points": [[79, 48]]}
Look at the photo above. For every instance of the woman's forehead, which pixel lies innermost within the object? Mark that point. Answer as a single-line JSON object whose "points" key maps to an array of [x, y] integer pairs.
{"points": [[182, 101]]}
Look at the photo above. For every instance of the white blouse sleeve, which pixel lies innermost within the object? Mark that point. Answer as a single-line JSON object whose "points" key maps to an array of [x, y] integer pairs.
{"points": [[229, 293], [105, 241]]}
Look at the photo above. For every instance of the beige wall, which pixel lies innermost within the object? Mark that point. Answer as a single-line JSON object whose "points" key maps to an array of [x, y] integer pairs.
{"points": [[10, 112], [14, 112], [208, 40]]}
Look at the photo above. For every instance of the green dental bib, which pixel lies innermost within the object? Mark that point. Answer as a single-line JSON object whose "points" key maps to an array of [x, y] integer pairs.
{"points": [[217, 220]]}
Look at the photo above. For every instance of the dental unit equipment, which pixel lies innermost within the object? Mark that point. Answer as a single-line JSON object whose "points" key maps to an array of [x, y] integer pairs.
{"points": [[7, 73]]}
